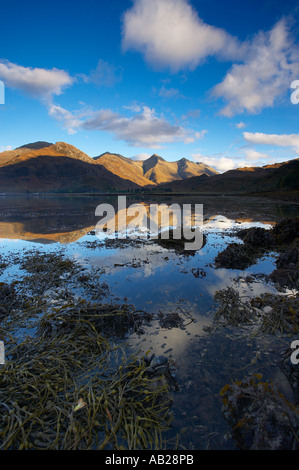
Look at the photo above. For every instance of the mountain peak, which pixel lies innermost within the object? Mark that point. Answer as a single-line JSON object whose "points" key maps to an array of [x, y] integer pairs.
{"points": [[35, 145], [157, 157], [107, 154], [71, 151]]}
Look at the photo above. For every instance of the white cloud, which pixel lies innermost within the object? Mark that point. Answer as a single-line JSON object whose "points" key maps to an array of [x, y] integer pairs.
{"points": [[240, 125], [37, 82], [143, 129], [169, 33], [70, 122], [221, 164], [252, 155], [271, 63], [134, 107], [4, 149], [279, 140], [141, 156], [201, 134]]}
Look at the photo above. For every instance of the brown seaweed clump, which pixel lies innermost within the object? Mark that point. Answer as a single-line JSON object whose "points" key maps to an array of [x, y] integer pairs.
{"points": [[179, 318], [286, 273], [71, 388], [270, 313], [237, 256], [109, 320], [230, 309], [8, 299], [260, 416], [283, 239]]}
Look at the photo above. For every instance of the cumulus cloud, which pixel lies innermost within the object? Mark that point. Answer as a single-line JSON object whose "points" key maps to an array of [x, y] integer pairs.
{"points": [[279, 140], [143, 129], [221, 164], [169, 33], [271, 63], [70, 121], [141, 157], [37, 82], [134, 107]]}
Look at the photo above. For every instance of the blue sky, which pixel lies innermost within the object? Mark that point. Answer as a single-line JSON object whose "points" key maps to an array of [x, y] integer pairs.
{"points": [[208, 81]]}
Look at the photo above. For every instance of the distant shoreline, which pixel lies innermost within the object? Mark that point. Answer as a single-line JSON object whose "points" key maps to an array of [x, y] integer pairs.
{"points": [[287, 196]]}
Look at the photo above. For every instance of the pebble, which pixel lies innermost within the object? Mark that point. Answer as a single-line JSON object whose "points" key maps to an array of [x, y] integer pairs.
{"points": [[268, 309]]}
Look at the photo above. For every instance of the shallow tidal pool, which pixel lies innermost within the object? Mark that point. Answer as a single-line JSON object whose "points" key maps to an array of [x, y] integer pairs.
{"points": [[177, 289]]}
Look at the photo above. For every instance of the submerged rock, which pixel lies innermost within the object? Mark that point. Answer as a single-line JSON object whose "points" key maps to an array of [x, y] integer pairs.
{"points": [[161, 366]]}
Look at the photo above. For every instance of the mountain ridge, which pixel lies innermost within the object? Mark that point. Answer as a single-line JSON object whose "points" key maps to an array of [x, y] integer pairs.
{"points": [[152, 171], [275, 177], [61, 167]]}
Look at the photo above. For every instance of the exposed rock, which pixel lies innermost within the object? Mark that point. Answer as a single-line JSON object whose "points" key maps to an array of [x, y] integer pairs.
{"points": [[236, 256], [258, 236], [285, 277], [286, 230], [288, 259], [283, 238]]}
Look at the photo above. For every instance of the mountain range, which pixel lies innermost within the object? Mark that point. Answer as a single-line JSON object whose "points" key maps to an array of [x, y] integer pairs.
{"points": [[43, 167], [277, 177], [61, 167]]}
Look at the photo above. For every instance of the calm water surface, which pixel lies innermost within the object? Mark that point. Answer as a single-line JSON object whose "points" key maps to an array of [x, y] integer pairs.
{"points": [[155, 280]]}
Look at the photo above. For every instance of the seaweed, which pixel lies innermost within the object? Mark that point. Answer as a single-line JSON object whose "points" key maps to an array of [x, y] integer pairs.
{"points": [[257, 241], [237, 256], [260, 415], [72, 389], [171, 320], [47, 270], [71, 385], [107, 319], [270, 313], [230, 309]]}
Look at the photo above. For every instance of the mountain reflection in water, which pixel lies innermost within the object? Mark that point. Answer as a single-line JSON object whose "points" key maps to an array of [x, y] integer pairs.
{"points": [[66, 219], [158, 280]]}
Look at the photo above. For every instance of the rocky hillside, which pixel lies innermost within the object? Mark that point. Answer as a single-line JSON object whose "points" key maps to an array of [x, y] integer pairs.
{"points": [[154, 170], [278, 177], [57, 168]]}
